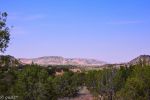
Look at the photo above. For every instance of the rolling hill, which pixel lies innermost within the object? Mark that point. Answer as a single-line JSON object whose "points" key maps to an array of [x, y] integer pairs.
{"points": [[57, 60]]}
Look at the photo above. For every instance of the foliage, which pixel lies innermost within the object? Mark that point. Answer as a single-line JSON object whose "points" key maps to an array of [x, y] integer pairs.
{"points": [[101, 82], [7, 80], [4, 32], [66, 85], [30, 84], [138, 84], [126, 83], [33, 82]]}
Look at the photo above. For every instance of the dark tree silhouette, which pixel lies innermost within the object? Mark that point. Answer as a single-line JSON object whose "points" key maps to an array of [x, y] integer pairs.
{"points": [[4, 32]]}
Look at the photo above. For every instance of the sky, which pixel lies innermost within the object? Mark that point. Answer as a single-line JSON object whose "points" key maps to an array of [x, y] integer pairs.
{"points": [[109, 30]]}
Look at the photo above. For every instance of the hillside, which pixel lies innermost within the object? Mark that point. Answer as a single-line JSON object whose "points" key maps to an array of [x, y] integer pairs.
{"points": [[8, 60], [142, 59], [56, 60]]}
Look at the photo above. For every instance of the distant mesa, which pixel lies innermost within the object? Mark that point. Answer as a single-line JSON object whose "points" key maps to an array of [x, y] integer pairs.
{"points": [[8, 60], [57, 60]]}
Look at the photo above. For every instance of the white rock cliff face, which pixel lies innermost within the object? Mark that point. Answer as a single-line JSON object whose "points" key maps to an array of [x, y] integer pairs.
{"points": [[56, 60]]}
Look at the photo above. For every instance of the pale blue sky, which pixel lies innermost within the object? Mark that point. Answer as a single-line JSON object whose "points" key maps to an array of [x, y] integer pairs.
{"points": [[108, 30]]}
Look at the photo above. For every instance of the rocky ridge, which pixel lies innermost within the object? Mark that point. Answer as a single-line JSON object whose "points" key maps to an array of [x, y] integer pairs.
{"points": [[56, 60]]}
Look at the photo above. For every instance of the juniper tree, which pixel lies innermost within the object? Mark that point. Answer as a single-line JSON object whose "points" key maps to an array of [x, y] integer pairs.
{"points": [[4, 32]]}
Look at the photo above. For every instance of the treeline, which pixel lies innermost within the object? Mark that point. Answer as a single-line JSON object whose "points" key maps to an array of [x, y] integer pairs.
{"points": [[131, 83], [33, 82]]}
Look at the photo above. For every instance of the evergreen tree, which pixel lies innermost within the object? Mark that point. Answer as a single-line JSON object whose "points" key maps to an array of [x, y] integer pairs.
{"points": [[4, 32]]}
